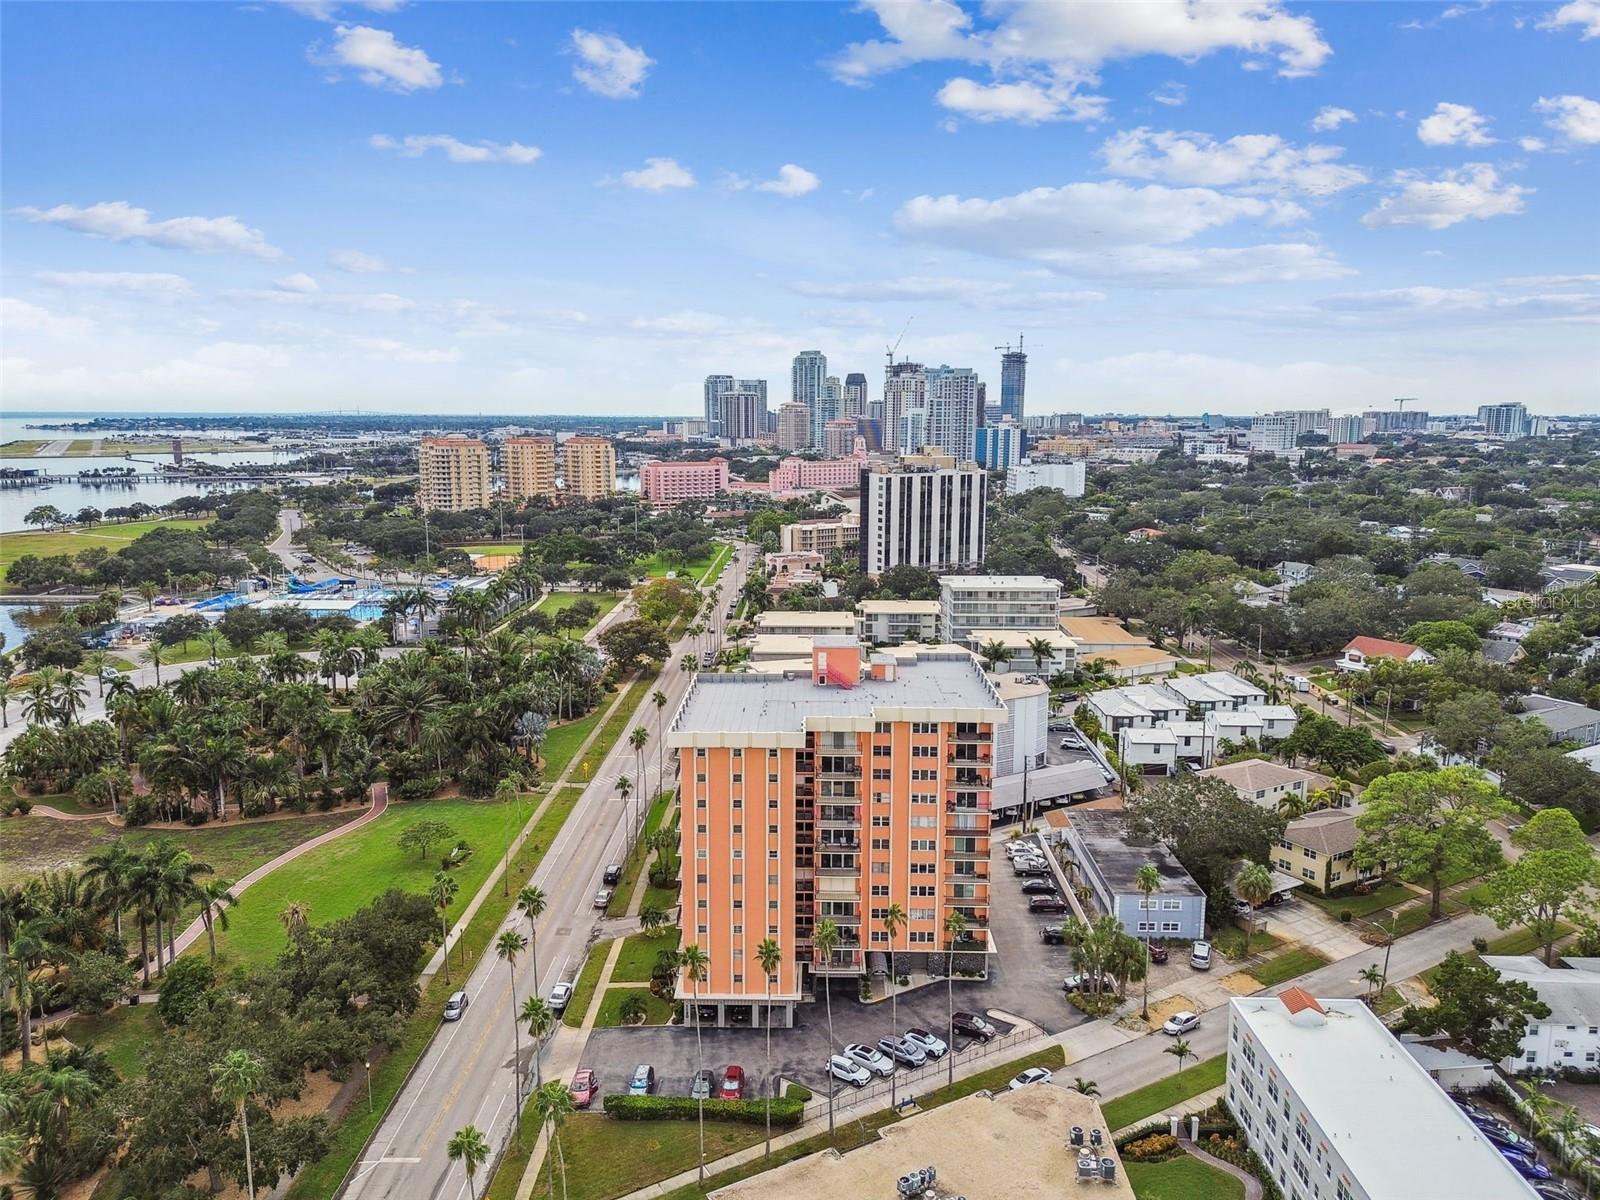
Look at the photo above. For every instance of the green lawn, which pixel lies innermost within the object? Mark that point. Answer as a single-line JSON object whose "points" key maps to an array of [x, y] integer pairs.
{"points": [[657, 1010], [564, 740], [1229, 941], [639, 855], [75, 541], [558, 602], [1185, 1178], [606, 1159], [123, 1033], [583, 989], [1385, 896], [1287, 965], [336, 879], [639, 952], [1164, 1093], [718, 561], [654, 567], [660, 897]]}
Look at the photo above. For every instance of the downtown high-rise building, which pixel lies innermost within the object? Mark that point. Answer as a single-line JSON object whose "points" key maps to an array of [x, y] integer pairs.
{"points": [[807, 374], [591, 467], [794, 427], [828, 406], [1508, 421], [742, 413], [717, 386], [855, 395], [905, 390], [952, 410], [1398, 420], [1347, 429], [1013, 382], [925, 510]]}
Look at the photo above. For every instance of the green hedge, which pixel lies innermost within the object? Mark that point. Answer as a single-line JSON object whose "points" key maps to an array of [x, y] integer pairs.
{"points": [[786, 1111]]}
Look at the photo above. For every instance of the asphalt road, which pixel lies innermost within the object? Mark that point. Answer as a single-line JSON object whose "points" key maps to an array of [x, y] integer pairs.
{"points": [[467, 1075]]}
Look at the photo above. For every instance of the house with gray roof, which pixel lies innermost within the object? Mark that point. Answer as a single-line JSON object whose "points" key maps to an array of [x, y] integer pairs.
{"points": [[1570, 1036], [1567, 720]]}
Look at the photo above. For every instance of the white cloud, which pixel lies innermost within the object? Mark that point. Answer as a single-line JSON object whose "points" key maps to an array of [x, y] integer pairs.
{"points": [[324, 10], [1173, 95], [1329, 117], [390, 350], [1532, 145], [908, 287], [156, 285], [1576, 118], [379, 60], [20, 316], [1072, 40], [344, 302], [357, 262], [659, 174], [1583, 13], [240, 356], [417, 144], [1551, 280], [119, 221], [1472, 192], [1255, 161], [298, 282], [1454, 125], [608, 66], [792, 180], [1421, 303], [1027, 103]]}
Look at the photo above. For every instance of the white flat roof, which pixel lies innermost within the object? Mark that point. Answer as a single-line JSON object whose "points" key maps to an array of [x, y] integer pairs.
{"points": [[921, 608], [1394, 1127], [998, 581], [805, 618]]}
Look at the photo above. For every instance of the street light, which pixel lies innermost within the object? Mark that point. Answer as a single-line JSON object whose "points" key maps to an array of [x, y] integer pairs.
{"points": [[369, 1086]]}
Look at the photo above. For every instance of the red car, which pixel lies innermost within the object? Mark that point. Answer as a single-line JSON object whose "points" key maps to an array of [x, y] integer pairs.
{"points": [[584, 1087], [732, 1084]]}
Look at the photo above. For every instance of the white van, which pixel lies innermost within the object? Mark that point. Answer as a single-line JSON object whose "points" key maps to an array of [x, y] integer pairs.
{"points": [[1200, 956]]}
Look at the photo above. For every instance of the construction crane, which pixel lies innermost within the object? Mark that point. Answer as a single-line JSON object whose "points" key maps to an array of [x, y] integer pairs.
{"points": [[889, 350], [1007, 347]]}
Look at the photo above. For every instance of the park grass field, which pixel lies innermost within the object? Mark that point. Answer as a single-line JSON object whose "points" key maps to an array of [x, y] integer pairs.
{"points": [[337, 879], [559, 602], [74, 541], [1183, 1178], [123, 1034]]}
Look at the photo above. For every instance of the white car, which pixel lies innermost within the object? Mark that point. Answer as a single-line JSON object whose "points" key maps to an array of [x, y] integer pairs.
{"points": [[935, 1046], [1020, 846], [872, 1059], [1181, 1023], [559, 996], [849, 1071], [1031, 1076]]}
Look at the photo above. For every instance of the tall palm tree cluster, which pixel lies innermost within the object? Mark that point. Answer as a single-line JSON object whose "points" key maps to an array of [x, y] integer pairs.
{"points": [[64, 934], [1105, 954]]}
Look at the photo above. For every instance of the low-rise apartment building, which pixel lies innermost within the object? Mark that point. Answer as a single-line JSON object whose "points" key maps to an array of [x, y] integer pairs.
{"points": [[1109, 856], [835, 793], [1035, 652], [1212, 696], [795, 475], [1338, 1110], [1267, 784], [805, 623], [820, 536], [891, 622], [1068, 478], [1569, 1038], [1319, 848], [667, 483], [1020, 602], [1216, 691]]}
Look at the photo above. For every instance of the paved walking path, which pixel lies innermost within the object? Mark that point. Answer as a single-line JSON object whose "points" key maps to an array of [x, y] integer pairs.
{"points": [[55, 814], [196, 928], [1252, 1185]]}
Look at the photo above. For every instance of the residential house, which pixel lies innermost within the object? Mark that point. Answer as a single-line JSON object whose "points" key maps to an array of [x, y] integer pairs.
{"points": [[1569, 1038], [1148, 751], [1320, 849], [1361, 652], [1294, 573], [1267, 784], [1213, 691], [1567, 720], [1560, 576], [1137, 706]]}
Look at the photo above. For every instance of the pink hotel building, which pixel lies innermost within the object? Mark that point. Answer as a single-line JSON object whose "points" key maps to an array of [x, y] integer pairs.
{"points": [[803, 475], [674, 482]]}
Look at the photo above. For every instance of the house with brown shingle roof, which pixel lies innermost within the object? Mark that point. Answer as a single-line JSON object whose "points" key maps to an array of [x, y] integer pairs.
{"points": [[1319, 848], [1265, 783]]}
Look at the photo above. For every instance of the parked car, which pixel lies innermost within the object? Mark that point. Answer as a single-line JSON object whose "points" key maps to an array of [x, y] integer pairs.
{"points": [[1241, 907], [1066, 742], [972, 1025], [613, 875], [1200, 956], [931, 1043], [1046, 904], [869, 1058], [732, 1087], [1020, 846], [700, 1089], [456, 1006], [584, 1087], [1158, 952], [1504, 1136], [1527, 1167], [643, 1081], [1030, 866], [602, 897], [847, 1070], [1052, 935], [1031, 1076], [1088, 983], [1181, 1022], [559, 996], [903, 1050], [1551, 1190], [1387, 746], [1039, 887]]}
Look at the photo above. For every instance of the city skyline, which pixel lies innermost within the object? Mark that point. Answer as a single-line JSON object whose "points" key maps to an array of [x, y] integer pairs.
{"points": [[544, 209]]}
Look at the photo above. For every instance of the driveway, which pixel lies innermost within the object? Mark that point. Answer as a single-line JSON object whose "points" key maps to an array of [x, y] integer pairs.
{"points": [[1025, 974]]}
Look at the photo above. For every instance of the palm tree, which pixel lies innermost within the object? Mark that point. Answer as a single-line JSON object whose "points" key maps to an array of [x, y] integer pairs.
{"points": [[216, 898], [1179, 1050], [1043, 653], [470, 1148], [637, 739], [1537, 1101], [688, 664], [1373, 978], [238, 1076], [216, 644], [442, 891], [113, 868], [769, 954], [993, 653], [508, 945], [696, 964], [540, 1019], [1148, 880], [659, 699], [295, 917], [28, 947], [155, 652], [1085, 1087], [1253, 885], [552, 1105], [97, 661], [148, 593], [955, 928], [894, 920], [531, 901]]}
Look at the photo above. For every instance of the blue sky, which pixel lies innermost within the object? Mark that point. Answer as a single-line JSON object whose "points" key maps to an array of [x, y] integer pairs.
{"points": [[567, 208]]}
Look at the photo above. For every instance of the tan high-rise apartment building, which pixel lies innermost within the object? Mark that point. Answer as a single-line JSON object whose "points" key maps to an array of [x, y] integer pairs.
{"points": [[454, 474], [591, 467], [833, 795], [529, 467]]}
